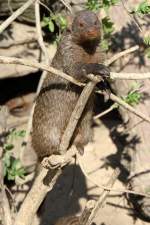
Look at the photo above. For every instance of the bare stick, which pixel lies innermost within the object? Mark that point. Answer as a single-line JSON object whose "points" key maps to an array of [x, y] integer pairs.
{"points": [[35, 196], [129, 76], [121, 54], [44, 182], [75, 116], [67, 5], [113, 75], [17, 13], [127, 106], [44, 73], [52, 71], [42, 45], [87, 212], [103, 196], [107, 188], [39, 189], [112, 107]]}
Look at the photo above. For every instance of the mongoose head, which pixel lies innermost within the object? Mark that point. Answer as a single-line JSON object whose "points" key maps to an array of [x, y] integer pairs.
{"points": [[86, 27]]}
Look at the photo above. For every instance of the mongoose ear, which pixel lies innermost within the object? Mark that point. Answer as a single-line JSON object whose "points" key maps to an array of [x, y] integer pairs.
{"points": [[69, 19]]}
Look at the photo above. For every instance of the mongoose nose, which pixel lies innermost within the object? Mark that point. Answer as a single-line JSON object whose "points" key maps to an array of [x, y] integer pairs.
{"points": [[93, 33]]}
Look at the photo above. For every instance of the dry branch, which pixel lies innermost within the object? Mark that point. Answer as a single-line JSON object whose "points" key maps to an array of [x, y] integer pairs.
{"points": [[103, 196], [121, 54], [127, 106], [87, 212], [75, 116], [17, 13], [129, 76], [105, 187], [112, 107], [40, 66], [46, 179], [52, 71]]}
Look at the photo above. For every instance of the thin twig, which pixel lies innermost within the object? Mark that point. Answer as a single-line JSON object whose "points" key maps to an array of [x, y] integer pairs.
{"points": [[75, 116], [132, 18], [17, 13], [52, 71], [112, 107], [44, 73], [127, 106], [87, 212], [121, 54], [43, 183], [129, 76], [103, 186], [66, 4], [103, 196]]}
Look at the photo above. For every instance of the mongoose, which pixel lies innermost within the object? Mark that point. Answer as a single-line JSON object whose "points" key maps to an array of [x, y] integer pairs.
{"points": [[78, 54]]}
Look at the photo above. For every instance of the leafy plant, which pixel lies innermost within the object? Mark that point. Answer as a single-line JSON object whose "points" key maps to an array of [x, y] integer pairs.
{"points": [[57, 19], [11, 166], [147, 52], [108, 26], [143, 8], [133, 98], [107, 3], [108, 29], [93, 5], [147, 40]]}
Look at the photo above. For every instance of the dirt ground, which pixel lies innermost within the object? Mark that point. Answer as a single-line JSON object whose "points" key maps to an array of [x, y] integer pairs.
{"points": [[99, 160]]}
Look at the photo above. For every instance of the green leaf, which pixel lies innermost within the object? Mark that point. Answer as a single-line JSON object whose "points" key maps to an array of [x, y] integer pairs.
{"points": [[107, 3], [10, 176], [51, 26], [104, 45], [93, 5], [147, 40], [8, 147], [16, 164], [107, 25], [133, 98], [61, 22], [147, 52], [7, 159], [144, 7]]}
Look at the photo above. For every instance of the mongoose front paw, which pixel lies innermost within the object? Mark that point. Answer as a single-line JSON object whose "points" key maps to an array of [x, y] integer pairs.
{"points": [[102, 70]]}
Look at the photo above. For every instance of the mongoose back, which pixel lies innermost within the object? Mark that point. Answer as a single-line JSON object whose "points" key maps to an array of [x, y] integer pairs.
{"points": [[78, 54]]}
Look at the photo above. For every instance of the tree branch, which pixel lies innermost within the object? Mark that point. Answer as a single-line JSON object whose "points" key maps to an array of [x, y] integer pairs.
{"points": [[41, 66], [75, 116], [103, 197], [113, 75], [126, 106], [121, 54], [52, 71], [46, 179], [17, 13]]}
